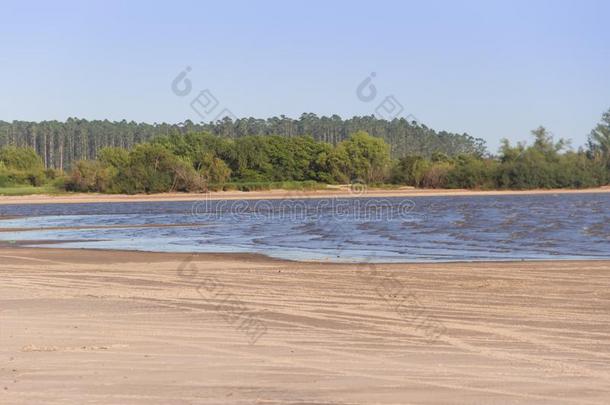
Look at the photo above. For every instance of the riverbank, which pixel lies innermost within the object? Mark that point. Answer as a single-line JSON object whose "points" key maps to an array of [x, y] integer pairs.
{"points": [[339, 192], [114, 327]]}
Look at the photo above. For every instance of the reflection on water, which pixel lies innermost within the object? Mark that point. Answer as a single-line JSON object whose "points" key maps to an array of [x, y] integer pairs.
{"points": [[575, 226]]}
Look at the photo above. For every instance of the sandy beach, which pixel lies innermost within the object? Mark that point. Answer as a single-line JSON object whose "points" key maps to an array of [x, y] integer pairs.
{"points": [[147, 328], [341, 191]]}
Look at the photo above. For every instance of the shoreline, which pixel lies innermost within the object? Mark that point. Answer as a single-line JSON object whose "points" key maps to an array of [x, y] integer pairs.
{"points": [[340, 192], [149, 256], [240, 329], [131, 256]]}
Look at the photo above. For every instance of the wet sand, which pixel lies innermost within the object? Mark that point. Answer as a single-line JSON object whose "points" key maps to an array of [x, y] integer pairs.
{"points": [[337, 191], [148, 328]]}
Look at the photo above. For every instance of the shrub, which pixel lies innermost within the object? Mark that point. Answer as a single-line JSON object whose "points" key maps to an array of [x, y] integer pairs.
{"points": [[154, 169], [87, 175], [437, 175], [21, 159], [410, 170], [472, 172]]}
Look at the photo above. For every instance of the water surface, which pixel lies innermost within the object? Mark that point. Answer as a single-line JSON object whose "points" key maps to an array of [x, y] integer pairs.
{"points": [[417, 229]]}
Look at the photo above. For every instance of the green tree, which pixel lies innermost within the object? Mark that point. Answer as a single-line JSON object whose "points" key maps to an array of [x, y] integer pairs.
{"points": [[364, 157], [21, 166], [91, 176], [469, 171], [20, 158], [599, 140], [154, 169], [410, 170], [115, 157]]}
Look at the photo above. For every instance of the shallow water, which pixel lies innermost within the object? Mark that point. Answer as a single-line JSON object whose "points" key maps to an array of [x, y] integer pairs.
{"points": [[418, 229]]}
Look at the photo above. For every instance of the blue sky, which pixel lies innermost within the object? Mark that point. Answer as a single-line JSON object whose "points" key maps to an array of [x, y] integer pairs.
{"points": [[493, 69]]}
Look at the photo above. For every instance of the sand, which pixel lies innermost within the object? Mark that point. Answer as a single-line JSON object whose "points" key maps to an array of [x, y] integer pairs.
{"points": [[143, 328], [336, 191]]}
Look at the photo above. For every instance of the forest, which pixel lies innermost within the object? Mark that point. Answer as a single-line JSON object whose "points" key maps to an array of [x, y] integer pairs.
{"points": [[61, 143], [197, 160]]}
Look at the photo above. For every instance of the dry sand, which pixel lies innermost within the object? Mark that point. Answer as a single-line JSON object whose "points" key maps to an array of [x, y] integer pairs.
{"points": [[337, 191], [144, 328]]}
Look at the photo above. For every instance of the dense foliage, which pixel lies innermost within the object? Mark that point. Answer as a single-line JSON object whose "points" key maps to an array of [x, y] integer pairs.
{"points": [[544, 164], [20, 166], [61, 143], [198, 161]]}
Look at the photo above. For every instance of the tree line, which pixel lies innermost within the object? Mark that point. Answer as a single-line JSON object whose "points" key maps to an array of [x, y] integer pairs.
{"points": [[61, 143], [200, 161]]}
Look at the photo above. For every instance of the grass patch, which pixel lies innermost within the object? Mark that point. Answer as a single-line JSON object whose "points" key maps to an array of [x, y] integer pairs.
{"points": [[30, 190]]}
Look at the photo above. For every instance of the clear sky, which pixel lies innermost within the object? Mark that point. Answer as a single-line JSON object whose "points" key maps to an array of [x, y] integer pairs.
{"points": [[493, 69]]}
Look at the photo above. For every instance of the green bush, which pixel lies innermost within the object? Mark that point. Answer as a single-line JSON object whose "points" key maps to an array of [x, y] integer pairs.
{"points": [[87, 176], [437, 175], [472, 172], [21, 166], [154, 169], [410, 170], [21, 159]]}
